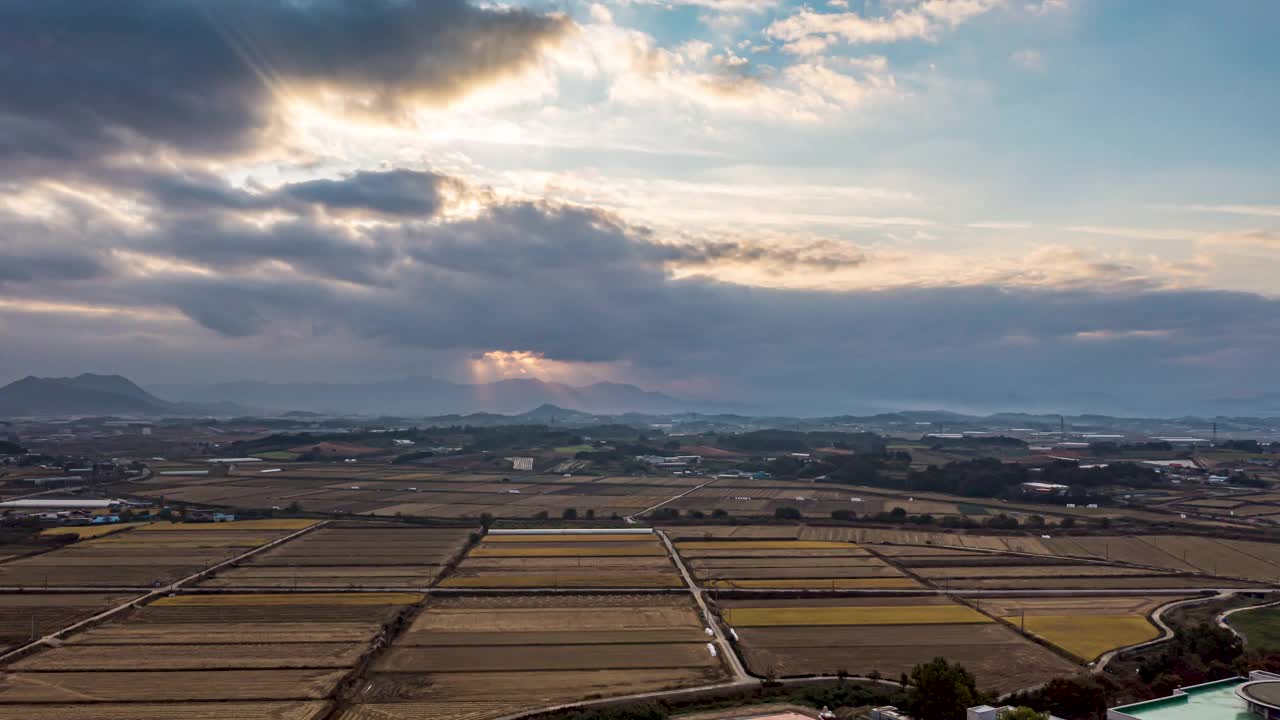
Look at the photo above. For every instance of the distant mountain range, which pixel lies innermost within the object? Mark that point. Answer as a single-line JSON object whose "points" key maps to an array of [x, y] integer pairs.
{"points": [[81, 395], [424, 396], [90, 394]]}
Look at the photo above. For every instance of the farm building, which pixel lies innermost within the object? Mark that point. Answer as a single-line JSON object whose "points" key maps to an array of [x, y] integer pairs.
{"points": [[1043, 488]]}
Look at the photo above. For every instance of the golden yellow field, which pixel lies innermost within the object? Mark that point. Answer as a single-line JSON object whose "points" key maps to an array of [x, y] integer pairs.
{"points": [[283, 599], [898, 583], [597, 580], [84, 532], [765, 545], [866, 615], [556, 537], [264, 524], [1088, 636], [522, 550]]}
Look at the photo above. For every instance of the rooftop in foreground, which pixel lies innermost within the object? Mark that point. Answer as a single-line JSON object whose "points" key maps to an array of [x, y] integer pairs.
{"points": [[1217, 700]]}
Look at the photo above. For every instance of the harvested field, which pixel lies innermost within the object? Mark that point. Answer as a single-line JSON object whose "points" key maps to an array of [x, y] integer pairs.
{"points": [[488, 695], [288, 599], [764, 545], [801, 571], [1103, 583], [243, 656], [554, 562], [47, 612], [885, 635], [311, 710], [70, 687], [573, 550], [381, 576], [470, 658], [290, 524], [1003, 664], [564, 580], [565, 537], [135, 633], [862, 615], [85, 532], [546, 657], [888, 583], [1075, 605], [443, 639], [1028, 571], [830, 562], [568, 620], [1088, 636]]}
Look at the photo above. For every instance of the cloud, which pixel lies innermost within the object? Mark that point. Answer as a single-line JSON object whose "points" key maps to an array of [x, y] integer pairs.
{"points": [[255, 267], [1137, 233], [808, 32], [210, 77], [1028, 59], [1250, 210]]}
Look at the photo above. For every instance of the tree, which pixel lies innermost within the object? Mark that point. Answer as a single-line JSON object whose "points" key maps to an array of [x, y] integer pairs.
{"points": [[569, 514], [787, 513], [1067, 523], [941, 690], [1022, 713], [719, 513]]}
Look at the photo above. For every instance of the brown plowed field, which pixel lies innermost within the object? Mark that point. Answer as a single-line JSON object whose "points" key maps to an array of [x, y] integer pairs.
{"points": [[186, 657], [70, 687], [201, 634], [531, 689], [19, 613], [1003, 667], [169, 711], [1103, 583], [820, 573], [542, 657], [429, 638], [1029, 571], [551, 619]]}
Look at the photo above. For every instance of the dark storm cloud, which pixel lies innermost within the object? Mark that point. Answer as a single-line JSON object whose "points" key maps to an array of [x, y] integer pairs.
{"points": [[578, 284], [396, 192], [392, 193], [79, 80]]}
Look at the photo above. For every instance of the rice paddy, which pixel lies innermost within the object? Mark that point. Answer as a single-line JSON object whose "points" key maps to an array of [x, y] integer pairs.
{"points": [[865, 615]]}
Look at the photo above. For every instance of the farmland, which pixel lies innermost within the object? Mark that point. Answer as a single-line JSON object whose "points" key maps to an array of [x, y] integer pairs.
{"points": [[476, 658], [352, 555], [1260, 627], [889, 635], [555, 560], [202, 648], [143, 556], [782, 564], [1083, 626], [27, 614]]}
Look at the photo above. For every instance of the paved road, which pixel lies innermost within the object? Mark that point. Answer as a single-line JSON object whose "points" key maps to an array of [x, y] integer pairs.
{"points": [[724, 648], [157, 593], [1166, 632], [1222, 617]]}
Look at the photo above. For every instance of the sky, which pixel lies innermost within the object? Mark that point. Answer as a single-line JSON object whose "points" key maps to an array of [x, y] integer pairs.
{"points": [[803, 207]]}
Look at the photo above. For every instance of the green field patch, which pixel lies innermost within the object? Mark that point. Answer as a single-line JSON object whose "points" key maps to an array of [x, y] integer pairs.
{"points": [[968, 509], [1260, 628]]}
